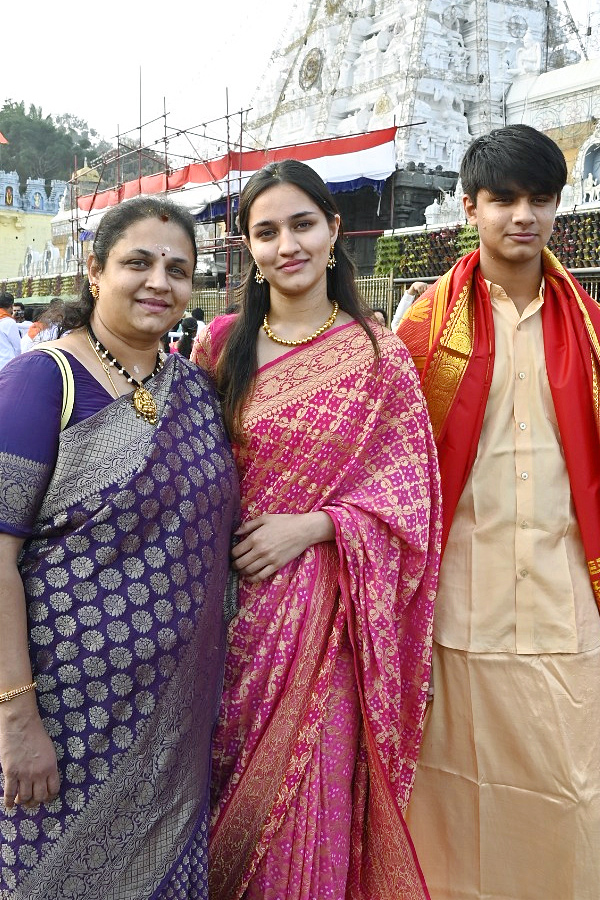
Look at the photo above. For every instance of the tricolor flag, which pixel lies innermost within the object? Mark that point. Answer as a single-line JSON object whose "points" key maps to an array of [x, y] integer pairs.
{"points": [[3, 139]]}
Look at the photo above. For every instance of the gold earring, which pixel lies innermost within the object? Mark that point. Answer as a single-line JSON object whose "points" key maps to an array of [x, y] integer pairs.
{"points": [[331, 260], [94, 291], [258, 276]]}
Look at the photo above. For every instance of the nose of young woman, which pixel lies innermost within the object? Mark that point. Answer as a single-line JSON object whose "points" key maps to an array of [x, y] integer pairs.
{"points": [[288, 242]]}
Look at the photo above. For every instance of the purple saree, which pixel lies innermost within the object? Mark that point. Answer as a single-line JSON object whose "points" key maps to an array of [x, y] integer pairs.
{"points": [[124, 574]]}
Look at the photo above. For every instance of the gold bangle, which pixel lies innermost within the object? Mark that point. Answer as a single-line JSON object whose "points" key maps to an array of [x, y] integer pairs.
{"points": [[10, 695]]}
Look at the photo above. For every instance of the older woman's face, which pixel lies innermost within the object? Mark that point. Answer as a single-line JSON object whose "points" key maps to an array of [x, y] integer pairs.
{"points": [[146, 283]]}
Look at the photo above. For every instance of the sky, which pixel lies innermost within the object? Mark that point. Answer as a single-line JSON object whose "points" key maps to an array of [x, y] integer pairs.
{"points": [[88, 59], [85, 59]]}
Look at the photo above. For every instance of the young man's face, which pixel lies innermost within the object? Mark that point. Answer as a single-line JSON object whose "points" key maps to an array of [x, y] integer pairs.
{"points": [[513, 226]]}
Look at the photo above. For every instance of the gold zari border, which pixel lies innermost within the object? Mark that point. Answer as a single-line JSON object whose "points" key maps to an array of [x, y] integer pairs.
{"points": [[451, 357]]}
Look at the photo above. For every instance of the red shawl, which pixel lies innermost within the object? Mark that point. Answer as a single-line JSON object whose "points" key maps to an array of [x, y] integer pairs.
{"points": [[450, 334]]}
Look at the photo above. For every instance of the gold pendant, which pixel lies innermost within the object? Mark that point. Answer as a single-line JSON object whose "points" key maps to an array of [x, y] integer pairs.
{"points": [[145, 405]]}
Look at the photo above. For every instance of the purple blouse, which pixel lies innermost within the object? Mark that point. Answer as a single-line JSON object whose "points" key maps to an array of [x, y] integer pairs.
{"points": [[30, 408]]}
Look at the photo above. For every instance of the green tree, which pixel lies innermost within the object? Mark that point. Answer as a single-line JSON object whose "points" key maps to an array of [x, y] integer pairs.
{"points": [[50, 147], [40, 146]]}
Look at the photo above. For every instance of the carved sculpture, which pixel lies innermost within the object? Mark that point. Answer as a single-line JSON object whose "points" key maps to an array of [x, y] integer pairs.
{"points": [[528, 59]]}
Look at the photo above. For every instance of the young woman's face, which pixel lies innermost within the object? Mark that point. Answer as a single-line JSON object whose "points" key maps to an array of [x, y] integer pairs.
{"points": [[290, 239], [146, 283]]}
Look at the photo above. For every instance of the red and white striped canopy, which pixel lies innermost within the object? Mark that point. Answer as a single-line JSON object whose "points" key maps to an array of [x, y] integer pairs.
{"points": [[343, 159]]}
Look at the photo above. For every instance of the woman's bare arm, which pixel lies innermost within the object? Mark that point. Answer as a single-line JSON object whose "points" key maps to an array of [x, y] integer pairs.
{"points": [[27, 755]]}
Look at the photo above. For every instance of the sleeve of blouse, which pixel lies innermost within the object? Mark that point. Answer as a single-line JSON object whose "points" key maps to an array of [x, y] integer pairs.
{"points": [[208, 345], [201, 351], [30, 409]]}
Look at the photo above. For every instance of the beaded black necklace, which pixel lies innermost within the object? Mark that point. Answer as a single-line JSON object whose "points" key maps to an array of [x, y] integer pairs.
{"points": [[143, 401]]}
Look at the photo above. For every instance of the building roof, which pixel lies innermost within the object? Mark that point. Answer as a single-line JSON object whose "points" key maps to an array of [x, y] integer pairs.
{"points": [[557, 83]]}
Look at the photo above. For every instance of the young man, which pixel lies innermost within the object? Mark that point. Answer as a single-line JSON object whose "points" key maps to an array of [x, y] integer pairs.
{"points": [[506, 802], [23, 324]]}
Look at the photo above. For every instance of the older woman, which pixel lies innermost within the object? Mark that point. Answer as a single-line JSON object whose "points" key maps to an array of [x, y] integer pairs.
{"points": [[118, 494], [328, 658]]}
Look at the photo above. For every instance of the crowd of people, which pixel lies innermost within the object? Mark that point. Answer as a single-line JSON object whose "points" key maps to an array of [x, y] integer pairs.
{"points": [[307, 609]]}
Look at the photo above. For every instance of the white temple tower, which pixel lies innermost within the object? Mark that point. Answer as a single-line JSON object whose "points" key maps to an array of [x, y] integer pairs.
{"points": [[440, 69]]}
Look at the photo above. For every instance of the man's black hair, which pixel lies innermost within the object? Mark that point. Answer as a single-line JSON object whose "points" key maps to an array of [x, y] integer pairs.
{"points": [[6, 300], [515, 157], [198, 314]]}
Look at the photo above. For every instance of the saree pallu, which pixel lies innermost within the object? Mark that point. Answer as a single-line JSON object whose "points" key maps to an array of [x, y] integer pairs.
{"points": [[328, 660], [124, 579]]}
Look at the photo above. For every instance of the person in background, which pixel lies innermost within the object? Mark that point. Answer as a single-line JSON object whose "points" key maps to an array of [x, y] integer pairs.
{"points": [[412, 293], [19, 316], [328, 661], [10, 339], [189, 328], [198, 315], [507, 793], [380, 316], [118, 497], [45, 326]]}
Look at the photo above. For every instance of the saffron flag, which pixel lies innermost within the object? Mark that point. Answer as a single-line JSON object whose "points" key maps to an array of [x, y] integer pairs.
{"points": [[3, 139]]}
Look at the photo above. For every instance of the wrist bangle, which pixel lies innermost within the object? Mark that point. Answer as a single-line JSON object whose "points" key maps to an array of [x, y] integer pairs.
{"points": [[10, 695]]}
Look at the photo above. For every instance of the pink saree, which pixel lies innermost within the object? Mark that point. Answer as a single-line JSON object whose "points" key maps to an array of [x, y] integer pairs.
{"points": [[328, 661]]}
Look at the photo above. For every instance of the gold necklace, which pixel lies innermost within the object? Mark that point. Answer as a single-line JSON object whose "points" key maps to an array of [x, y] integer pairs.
{"points": [[143, 401], [270, 334]]}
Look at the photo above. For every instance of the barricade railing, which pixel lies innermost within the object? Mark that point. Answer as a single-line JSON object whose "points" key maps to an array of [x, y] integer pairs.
{"points": [[378, 291]]}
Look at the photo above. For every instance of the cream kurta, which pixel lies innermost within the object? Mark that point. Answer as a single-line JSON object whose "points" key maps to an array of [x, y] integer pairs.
{"points": [[507, 796]]}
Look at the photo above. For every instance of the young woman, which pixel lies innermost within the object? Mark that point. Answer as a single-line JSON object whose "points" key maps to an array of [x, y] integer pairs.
{"points": [[111, 583], [328, 660]]}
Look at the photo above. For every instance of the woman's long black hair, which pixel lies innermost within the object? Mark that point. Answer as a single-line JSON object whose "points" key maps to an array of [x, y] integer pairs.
{"points": [[237, 363], [189, 327]]}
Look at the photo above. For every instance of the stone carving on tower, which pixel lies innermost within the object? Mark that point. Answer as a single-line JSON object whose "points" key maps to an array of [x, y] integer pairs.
{"points": [[438, 69], [586, 171]]}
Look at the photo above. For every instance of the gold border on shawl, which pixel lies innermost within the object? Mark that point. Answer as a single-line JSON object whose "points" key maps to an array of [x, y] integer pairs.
{"points": [[246, 817], [439, 304], [551, 261], [449, 362], [594, 570], [383, 860]]}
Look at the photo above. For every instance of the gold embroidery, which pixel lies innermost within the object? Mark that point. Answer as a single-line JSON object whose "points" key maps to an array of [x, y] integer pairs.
{"points": [[449, 362], [552, 261], [595, 394], [238, 835], [440, 304], [594, 566], [418, 312]]}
